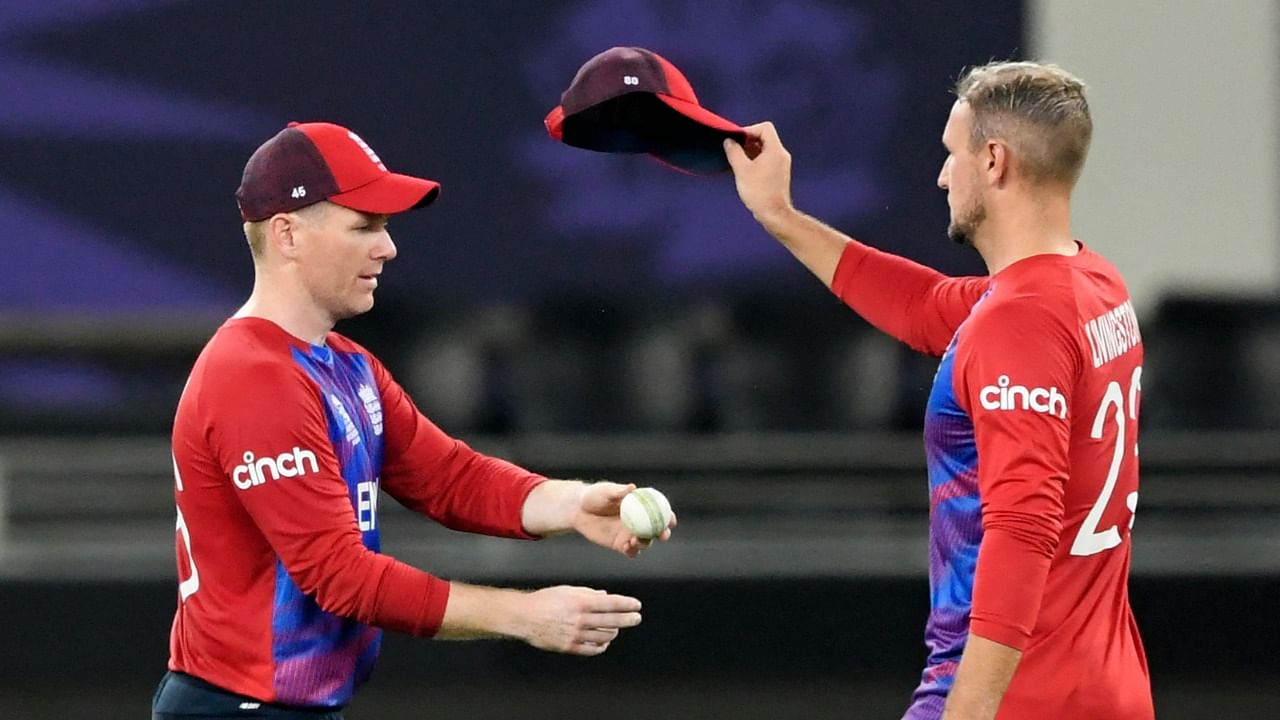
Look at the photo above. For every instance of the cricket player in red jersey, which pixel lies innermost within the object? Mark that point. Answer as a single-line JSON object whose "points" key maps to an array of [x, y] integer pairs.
{"points": [[1031, 428], [286, 433]]}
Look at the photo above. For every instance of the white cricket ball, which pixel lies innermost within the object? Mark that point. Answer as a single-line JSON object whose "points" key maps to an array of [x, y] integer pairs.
{"points": [[646, 512]]}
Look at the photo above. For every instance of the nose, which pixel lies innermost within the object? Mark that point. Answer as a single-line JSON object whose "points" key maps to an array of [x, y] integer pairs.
{"points": [[385, 250], [943, 175]]}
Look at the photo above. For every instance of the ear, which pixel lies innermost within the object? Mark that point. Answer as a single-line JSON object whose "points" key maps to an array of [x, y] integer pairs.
{"points": [[997, 163], [282, 233]]}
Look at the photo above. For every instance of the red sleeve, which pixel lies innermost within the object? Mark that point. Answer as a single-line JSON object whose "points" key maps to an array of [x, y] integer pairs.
{"points": [[443, 478], [913, 303], [1018, 366], [271, 410]]}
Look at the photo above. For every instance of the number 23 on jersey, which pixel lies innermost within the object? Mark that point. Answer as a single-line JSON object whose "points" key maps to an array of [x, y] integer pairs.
{"points": [[1091, 540]]}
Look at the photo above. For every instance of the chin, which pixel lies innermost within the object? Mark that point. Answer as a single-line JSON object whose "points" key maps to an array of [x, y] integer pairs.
{"points": [[358, 307], [959, 235]]}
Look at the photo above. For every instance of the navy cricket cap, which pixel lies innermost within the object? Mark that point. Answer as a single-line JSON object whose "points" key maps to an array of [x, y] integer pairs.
{"points": [[309, 162], [632, 100]]}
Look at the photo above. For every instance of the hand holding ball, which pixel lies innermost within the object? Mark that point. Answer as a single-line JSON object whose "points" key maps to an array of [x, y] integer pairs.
{"points": [[646, 513]]}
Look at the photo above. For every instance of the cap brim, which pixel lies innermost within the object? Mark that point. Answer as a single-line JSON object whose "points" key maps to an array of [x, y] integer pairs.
{"points": [[699, 151], [702, 116], [389, 194]]}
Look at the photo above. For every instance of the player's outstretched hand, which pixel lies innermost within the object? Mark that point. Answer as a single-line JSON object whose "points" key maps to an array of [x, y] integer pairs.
{"points": [[761, 170], [577, 620], [598, 519]]}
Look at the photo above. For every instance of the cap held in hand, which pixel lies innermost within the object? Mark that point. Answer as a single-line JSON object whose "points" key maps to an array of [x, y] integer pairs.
{"points": [[632, 100]]}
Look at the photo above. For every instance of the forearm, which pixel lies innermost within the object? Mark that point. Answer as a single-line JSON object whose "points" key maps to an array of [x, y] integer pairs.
{"points": [[475, 612], [815, 244], [1017, 549], [984, 674], [551, 507], [578, 620]]}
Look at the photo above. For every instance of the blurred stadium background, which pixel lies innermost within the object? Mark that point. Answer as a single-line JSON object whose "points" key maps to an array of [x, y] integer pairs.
{"points": [[603, 317]]}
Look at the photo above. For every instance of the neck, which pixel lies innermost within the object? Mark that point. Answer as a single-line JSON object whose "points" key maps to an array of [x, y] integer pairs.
{"points": [[286, 303], [1026, 226]]}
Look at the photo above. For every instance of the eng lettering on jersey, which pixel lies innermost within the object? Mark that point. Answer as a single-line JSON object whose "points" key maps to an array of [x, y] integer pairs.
{"points": [[367, 505], [1113, 333], [255, 470], [372, 406], [1006, 396], [348, 427]]}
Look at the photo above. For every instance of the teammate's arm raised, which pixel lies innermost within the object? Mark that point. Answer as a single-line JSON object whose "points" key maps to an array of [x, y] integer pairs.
{"points": [[913, 303], [762, 172]]}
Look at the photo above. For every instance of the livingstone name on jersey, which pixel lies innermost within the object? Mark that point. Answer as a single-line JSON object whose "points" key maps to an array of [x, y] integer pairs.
{"points": [[1113, 333], [1005, 396], [254, 471]]}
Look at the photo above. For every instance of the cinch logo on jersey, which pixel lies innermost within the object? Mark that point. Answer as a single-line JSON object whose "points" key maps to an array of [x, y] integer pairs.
{"points": [[291, 464], [1003, 396]]}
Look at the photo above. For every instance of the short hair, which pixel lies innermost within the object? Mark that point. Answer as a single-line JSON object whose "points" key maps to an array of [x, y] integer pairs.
{"points": [[256, 231], [1038, 108], [256, 234]]}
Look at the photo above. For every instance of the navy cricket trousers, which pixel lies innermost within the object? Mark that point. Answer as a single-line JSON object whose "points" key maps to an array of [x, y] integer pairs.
{"points": [[183, 697]]}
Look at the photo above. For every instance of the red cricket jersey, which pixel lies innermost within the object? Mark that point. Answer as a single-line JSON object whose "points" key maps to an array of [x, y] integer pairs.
{"points": [[1031, 437], [280, 449]]}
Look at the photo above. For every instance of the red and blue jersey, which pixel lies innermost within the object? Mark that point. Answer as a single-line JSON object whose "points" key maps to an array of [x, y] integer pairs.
{"points": [[955, 528], [1031, 442], [280, 450]]}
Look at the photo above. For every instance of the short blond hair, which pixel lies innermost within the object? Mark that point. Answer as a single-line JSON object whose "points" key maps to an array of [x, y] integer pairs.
{"points": [[1038, 108], [256, 231], [256, 234]]}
